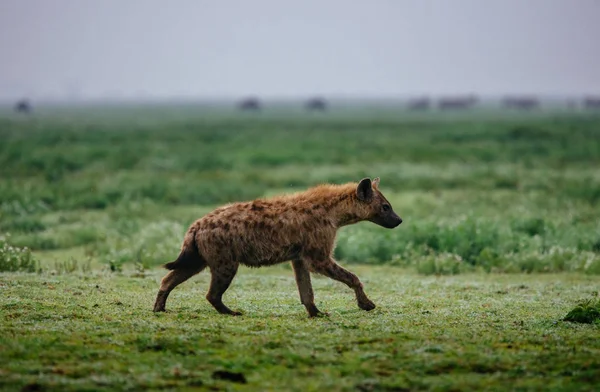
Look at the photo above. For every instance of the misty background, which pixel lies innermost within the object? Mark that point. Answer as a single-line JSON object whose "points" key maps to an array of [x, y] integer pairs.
{"points": [[138, 49]]}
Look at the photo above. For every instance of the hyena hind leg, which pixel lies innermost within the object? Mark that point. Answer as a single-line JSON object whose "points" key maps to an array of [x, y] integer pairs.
{"points": [[219, 283], [169, 282]]}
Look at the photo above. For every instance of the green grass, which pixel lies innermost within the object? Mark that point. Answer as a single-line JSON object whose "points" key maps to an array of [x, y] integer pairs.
{"points": [[468, 332], [500, 241], [486, 192]]}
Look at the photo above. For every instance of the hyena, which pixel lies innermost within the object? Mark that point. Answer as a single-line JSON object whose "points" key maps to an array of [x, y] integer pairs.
{"points": [[300, 228]]}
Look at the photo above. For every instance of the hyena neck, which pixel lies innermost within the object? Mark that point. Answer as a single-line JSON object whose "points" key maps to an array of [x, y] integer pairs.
{"points": [[342, 207], [346, 218], [335, 204]]}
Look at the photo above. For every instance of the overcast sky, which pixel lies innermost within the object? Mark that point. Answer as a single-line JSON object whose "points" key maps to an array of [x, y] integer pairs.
{"points": [[275, 48]]}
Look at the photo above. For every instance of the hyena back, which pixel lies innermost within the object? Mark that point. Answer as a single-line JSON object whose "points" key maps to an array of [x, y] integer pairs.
{"points": [[300, 227]]}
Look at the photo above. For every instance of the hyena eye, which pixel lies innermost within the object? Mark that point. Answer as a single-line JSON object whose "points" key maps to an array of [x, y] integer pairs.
{"points": [[385, 207]]}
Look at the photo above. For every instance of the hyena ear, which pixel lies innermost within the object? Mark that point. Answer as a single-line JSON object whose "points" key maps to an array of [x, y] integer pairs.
{"points": [[376, 183], [364, 191]]}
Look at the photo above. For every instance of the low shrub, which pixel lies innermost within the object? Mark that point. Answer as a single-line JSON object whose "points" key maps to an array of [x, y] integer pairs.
{"points": [[13, 258], [585, 312]]}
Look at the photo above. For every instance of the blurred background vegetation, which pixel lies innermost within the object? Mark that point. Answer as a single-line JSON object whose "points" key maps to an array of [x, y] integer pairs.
{"points": [[478, 190]]}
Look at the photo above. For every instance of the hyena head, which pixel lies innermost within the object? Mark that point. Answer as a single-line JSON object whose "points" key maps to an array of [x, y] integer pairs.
{"points": [[374, 206]]}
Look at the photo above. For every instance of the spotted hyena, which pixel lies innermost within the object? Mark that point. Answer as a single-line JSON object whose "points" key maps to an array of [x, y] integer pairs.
{"points": [[300, 228]]}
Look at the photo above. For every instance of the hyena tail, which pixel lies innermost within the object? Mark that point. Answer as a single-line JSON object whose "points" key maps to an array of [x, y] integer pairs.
{"points": [[189, 258]]}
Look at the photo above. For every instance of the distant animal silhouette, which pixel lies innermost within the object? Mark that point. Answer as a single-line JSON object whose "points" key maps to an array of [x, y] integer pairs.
{"points": [[23, 106], [316, 104], [521, 103], [457, 103], [422, 103], [592, 102], [249, 104]]}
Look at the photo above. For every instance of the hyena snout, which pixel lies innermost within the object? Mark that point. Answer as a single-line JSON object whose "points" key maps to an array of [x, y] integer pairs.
{"points": [[389, 221], [392, 221]]}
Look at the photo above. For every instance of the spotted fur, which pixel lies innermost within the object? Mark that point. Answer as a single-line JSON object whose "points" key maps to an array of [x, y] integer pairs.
{"points": [[300, 228]]}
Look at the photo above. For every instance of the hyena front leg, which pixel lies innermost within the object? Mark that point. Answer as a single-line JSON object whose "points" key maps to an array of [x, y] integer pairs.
{"points": [[307, 296], [221, 278], [334, 271]]}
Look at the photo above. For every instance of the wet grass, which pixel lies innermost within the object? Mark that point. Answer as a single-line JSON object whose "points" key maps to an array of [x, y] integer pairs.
{"points": [[96, 331], [500, 243]]}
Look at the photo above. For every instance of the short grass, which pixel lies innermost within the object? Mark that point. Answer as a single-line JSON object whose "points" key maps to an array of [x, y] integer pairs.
{"points": [[467, 332], [500, 241]]}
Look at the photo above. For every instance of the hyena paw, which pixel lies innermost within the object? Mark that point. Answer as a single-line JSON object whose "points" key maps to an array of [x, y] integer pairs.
{"points": [[366, 305], [314, 312]]}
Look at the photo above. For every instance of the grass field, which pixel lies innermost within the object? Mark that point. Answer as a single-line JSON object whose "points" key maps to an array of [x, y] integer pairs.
{"points": [[500, 240], [95, 331]]}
